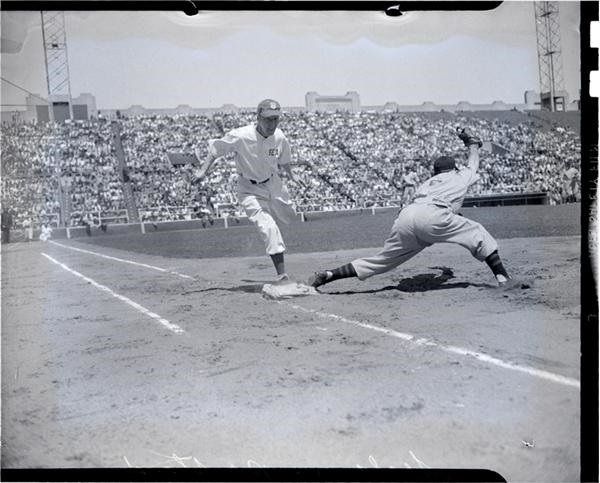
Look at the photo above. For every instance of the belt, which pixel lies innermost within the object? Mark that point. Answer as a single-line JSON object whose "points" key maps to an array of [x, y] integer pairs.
{"points": [[253, 181]]}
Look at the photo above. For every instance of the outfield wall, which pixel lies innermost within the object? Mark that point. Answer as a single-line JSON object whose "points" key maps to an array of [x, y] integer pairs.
{"points": [[501, 221]]}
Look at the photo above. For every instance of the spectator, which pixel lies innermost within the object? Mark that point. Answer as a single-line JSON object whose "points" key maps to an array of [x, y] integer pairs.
{"points": [[343, 159], [7, 222]]}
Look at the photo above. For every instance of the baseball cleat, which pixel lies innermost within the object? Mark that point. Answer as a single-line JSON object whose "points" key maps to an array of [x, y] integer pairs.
{"points": [[283, 278], [317, 279], [512, 283], [502, 280]]}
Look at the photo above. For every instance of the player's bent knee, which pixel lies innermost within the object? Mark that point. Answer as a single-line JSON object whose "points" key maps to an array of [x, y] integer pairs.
{"points": [[484, 249]]}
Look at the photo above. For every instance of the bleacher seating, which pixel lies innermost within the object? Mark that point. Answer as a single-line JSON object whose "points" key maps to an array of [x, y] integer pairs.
{"points": [[346, 160], [570, 120]]}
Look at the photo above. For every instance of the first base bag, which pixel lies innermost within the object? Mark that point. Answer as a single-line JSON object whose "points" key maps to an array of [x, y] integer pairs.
{"points": [[287, 290]]}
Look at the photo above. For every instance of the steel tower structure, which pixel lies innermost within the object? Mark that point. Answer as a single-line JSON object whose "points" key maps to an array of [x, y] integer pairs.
{"points": [[547, 25], [57, 63]]}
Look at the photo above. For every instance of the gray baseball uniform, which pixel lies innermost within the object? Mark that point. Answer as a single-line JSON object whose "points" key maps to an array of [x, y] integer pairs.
{"points": [[431, 218]]}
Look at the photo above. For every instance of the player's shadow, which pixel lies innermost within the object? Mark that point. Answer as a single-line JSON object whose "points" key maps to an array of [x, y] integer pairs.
{"points": [[424, 282]]}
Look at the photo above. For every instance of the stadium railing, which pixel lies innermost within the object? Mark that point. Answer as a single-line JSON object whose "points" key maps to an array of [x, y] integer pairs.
{"points": [[320, 205], [173, 213], [101, 217], [51, 219], [227, 220]]}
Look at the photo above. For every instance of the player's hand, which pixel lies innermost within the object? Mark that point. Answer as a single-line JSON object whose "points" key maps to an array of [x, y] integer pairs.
{"points": [[468, 138]]}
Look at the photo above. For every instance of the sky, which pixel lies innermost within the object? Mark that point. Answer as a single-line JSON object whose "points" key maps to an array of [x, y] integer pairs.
{"points": [[164, 59]]}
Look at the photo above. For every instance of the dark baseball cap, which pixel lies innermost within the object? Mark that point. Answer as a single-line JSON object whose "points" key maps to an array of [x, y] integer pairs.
{"points": [[268, 108], [443, 163]]}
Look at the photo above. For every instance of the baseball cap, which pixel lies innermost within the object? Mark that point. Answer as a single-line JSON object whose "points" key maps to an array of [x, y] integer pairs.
{"points": [[268, 108], [443, 163]]}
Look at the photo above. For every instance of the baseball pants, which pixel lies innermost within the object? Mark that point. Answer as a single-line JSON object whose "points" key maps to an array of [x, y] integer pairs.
{"points": [[263, 203], [419, 226]]}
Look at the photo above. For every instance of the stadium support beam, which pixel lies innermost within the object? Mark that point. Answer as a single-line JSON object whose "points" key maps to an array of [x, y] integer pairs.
{"points": [[547, 25], [54, 38]]}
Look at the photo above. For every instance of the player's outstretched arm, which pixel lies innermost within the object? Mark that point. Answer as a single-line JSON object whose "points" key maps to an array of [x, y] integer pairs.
{"points": [[473, 160], [473, 143]]}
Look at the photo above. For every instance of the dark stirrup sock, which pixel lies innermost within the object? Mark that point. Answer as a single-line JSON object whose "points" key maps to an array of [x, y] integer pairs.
{"points": [[494, 262], [345, 271], [278, 262]]}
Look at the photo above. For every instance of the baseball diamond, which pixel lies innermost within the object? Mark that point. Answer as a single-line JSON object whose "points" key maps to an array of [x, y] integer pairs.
{"points": [[119, 354], [300, 239]]}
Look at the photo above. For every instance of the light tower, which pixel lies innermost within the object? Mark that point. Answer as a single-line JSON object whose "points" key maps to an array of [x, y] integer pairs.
{"points": [[57, 65], [547, 26]]}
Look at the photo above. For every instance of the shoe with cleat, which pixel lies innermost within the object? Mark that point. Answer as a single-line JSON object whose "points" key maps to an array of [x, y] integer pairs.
{"points": [[511, 283], [502, 280], [317, 279]]}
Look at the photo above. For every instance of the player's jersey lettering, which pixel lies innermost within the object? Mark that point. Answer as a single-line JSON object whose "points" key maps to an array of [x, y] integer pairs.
{"points": [[255, 157]]}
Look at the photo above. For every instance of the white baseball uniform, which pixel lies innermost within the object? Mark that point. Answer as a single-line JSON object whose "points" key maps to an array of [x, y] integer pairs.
{"points": [[260, 189], [431, 218]]}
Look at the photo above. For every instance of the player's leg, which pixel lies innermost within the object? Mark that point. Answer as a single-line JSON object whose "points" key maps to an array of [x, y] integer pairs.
{"points": [[448, 227], [278, 260], [257, 210], [497, 267], [392, 255], [327, 276], [400, 247], [281, 205], [282, 208], [363, 268]]}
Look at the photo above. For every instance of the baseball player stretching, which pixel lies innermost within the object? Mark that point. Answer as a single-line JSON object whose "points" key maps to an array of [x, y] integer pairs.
{"points": [[431, 218], [260, 150]]}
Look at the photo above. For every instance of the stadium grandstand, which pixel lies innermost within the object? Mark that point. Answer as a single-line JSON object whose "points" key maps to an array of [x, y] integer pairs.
{"points": [[120, 167]]}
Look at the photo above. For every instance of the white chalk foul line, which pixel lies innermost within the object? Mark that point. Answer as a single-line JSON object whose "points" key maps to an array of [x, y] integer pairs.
{"points": [[172, 327], [122, 260], [550, 376]]}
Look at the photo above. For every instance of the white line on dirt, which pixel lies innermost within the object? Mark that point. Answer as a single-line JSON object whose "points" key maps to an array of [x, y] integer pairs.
{"points": [[89, 252], [567, 381], [400, 335], [172, 327]]}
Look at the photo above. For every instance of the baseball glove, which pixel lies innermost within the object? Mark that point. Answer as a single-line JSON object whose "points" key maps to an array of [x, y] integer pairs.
{"points": [[466, 137]]}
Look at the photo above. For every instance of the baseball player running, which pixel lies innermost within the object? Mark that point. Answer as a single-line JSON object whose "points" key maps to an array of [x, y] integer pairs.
{"points": [[431, 218], [260, 150]]}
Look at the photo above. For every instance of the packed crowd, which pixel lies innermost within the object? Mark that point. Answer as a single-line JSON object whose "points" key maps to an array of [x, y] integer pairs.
{"points": [[345, 160], [350, 160], [89, 170], [375, 148], [51, 170], [29, 187]]}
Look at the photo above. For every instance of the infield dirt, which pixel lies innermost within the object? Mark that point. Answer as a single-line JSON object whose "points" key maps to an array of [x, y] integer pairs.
{"points": [[87, 381]]}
